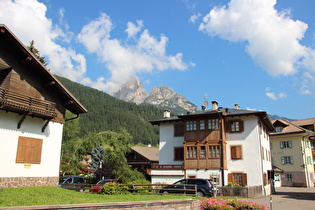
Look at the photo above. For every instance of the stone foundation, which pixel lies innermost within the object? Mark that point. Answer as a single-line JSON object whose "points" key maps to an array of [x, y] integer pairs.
{"points": [[6, 182]]}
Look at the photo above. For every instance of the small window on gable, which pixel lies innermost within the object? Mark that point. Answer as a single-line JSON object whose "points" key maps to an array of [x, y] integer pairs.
{"points": [[235, 126], [179, 129], [236, 152], [278, 129], [29, 150]]}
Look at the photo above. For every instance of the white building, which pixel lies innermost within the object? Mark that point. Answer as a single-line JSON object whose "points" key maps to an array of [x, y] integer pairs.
{"points": [[32, 113], [229, 146]]}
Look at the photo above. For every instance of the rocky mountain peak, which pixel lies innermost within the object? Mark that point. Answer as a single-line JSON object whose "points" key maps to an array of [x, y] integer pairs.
{"points": [[132, 91]]}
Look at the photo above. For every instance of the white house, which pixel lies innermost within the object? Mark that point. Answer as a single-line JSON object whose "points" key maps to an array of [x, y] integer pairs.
{"points": [[32, 113], [229, 146]]}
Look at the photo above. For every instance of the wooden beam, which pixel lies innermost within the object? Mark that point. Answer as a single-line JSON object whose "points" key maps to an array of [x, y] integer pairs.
{"points": [[44, 127], [68, 103], [27, 59], [50, 83], [21, 121]]}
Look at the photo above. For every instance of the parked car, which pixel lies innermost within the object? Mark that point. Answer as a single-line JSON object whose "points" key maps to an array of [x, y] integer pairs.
{"points": [[204, 187], [97, 188], [73, 183]]}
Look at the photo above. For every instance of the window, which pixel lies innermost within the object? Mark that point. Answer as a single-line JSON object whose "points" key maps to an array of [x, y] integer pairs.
{"points": [[287, 160], [29, 150], [202, 151], [202, 125], [277, 177], [213, 124], [178, 153], [235, 126], [179, 129], [214, 151], [239, 179], [236, 152], [285, 144], [308, 144], [192, 152], [278, 129], [309, 160], [191, 125], [289, 177]]}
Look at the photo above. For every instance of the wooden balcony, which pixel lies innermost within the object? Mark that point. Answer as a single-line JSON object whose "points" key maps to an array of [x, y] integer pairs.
{"points": [[167, 167], [19, 103]]}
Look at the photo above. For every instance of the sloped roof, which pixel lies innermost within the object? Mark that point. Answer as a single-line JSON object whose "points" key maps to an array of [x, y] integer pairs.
{"points": [[304, 122], [290, 127], [149, 153], [20, 51], [220, 111]]}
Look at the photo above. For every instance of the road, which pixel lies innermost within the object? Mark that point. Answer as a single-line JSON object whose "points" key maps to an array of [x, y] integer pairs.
{"points": [[289, 198]]}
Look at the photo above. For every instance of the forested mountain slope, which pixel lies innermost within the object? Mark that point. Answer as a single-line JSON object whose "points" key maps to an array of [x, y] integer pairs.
{"points": [[108, 113]]}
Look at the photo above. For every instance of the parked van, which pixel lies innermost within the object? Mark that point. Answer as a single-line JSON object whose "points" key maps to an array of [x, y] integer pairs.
{"points": [[72, 182]]}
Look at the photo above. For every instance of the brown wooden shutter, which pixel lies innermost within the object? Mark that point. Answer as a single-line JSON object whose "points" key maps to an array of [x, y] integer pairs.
{"points": [[244, 179], [241, 124], [29, 150], [236, 152], [265, 179], [228, 127], [179, 129], [230, 177]]}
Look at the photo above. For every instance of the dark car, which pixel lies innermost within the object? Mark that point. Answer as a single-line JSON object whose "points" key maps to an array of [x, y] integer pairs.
{"points": [[97, 188], [72, 182], [204, 187]]}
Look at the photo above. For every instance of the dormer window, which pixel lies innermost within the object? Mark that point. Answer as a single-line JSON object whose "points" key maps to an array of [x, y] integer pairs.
{"points": [[278, 129]]}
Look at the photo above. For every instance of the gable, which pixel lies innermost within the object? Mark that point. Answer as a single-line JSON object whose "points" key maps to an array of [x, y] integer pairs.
{"points": [[27, 87]]}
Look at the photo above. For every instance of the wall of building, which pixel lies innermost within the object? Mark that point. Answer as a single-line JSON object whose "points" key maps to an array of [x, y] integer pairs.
{"points": [[31, 127], [167, 144], [252, 142]]}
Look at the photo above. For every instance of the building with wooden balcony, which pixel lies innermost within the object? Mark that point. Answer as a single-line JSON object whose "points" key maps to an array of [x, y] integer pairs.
{"points": [[32, 114], [292, 146], [228, 145]]}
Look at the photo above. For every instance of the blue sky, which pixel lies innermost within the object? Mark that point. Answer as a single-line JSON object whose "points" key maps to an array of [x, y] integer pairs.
{"points": [[259, 54]]}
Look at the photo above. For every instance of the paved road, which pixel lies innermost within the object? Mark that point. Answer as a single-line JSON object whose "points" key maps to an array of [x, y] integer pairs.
{"points": [[287, 198]]}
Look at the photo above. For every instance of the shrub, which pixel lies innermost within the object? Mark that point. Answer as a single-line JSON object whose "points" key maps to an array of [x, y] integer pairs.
{"points": [[141, 189], [111, 188], [229, 204]]}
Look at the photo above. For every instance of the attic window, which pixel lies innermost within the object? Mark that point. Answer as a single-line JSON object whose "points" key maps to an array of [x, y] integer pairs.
{"points": [[278, 129]]}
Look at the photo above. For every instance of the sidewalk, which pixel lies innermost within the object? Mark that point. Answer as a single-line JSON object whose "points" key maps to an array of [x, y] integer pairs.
{"points": [[288, 198]]}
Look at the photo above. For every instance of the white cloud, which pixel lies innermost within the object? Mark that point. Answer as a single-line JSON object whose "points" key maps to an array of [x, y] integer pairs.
{"points": [[272, 37], [133, 29], [19, 15], [274, 96], [307, 84], [123, 60], [194, 18]]}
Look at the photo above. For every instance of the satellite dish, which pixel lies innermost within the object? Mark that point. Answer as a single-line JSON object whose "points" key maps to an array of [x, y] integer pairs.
{"points": [[205, 104]]}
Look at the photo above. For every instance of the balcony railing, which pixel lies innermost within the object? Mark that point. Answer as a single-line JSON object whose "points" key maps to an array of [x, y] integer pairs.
{"points": [[166, 167], [24, 104]]}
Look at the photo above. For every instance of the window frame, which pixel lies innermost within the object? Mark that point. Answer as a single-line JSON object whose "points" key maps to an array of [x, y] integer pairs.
{"points": [[285, 144], [213, 123], [287, 160], [231, 126], [214, 151], [191, 152], [191, 125]]}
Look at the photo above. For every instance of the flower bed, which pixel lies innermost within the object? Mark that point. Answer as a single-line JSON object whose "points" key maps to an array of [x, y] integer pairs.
{"points": [[229, 204]]}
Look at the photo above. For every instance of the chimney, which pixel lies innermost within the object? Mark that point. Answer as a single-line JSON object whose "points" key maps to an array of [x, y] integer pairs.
{"points": [[236, 106], [203, 108], [167, 113], [215, 105]]}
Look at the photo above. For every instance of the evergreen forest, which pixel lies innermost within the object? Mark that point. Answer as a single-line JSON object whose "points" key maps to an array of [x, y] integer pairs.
{"points": [[107, 113]]}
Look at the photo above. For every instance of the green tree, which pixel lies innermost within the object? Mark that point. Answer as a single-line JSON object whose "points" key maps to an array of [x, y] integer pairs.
{"points": [[71, 144], [35, 51]]}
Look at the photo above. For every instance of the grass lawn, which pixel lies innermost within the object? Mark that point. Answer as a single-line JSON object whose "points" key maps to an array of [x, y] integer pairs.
{"points": [[32, 196]]}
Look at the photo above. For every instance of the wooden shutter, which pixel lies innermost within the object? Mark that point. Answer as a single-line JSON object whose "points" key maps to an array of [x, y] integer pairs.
{"points": [[241, 124], [179, 129], [228, 127], [265, 179], [236, 152], [179, 153], [29, 150], [244, 179], [230, 177]]}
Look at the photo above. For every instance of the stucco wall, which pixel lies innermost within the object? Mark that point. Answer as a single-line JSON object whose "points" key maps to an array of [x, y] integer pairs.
{"points": [[31, 127]]}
